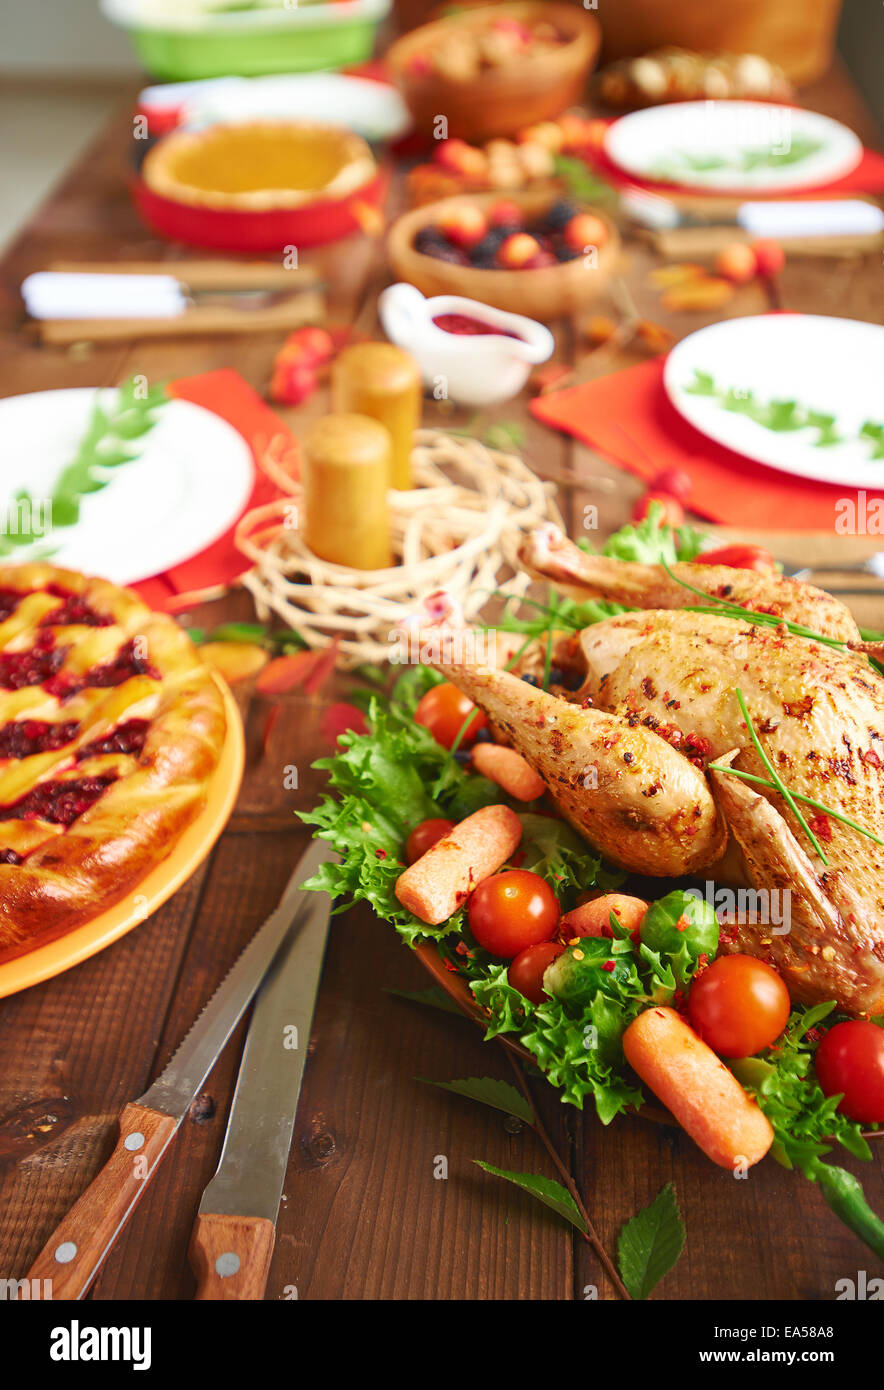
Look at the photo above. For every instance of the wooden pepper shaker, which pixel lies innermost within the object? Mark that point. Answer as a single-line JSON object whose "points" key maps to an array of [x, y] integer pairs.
{"points": [[383, 381], [346, 475]]}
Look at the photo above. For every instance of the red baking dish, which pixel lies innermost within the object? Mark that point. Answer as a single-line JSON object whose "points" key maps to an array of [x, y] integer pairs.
{"points": [[315, 224]]}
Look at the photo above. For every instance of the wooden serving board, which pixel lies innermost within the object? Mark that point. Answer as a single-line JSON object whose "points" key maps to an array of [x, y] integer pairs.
{"points": [[686, 243], [304, 304]]}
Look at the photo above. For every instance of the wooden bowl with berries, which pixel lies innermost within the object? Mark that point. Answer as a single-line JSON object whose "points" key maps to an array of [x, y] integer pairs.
{"points": [[535, 253], [493, 70]]}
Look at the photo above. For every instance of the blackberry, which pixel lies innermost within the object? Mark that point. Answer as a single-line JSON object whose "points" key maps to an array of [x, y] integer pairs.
{"points": [[490, 242], [563, 252], [560, 214], [428, 237], [444, 252], [484, 262]]}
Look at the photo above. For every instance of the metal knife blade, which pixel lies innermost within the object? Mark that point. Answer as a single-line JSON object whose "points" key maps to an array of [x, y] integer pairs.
{"points": [[179, 1083], [251, 1170]]}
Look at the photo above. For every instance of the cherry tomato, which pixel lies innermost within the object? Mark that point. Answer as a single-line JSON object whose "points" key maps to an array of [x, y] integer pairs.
{"points": [[512, 910], [675, 482], [443, 710], [424, 836], [526, 971], [738, 557], [738, 1005], [850, 1061], [673, 511]]}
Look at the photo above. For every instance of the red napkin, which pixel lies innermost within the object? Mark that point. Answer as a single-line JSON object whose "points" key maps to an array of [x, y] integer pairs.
{"points": [[628, 417], [225, 393]]}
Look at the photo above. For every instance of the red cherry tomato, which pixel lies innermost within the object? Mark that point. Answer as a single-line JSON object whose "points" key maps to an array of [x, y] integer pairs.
{"points": [[526, 971], [424, 836], [850, 1062], [512, 910], [769, 258], [738, 1005], [673, 511], [444, 710], [675, 482], [738, 557]]}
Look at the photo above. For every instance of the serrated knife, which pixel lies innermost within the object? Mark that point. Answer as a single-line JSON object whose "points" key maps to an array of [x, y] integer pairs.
{"points": [[235, 1229], [77, 1248]]}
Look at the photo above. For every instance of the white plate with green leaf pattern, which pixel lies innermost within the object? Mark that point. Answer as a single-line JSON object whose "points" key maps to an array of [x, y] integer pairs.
{"points": [[800, 392], [746, 147], [164, 492]]}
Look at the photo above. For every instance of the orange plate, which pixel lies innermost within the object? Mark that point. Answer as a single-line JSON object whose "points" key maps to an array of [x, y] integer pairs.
{"points": [[153, 890]]}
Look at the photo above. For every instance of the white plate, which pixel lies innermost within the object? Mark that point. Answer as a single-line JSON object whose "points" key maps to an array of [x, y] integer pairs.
{"points": [[671, 144], [191, 480], [834, 366], [374, 110]]}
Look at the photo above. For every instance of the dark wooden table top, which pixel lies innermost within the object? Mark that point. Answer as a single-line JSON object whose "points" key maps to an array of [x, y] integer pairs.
{"points": [[364, 1214]]}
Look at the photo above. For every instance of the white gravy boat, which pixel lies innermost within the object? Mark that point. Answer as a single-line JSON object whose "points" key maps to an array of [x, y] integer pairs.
{"points": [[472, 369]]}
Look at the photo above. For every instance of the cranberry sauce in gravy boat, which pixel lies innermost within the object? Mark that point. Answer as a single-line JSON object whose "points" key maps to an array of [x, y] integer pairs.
{"points": [[479, 354]]}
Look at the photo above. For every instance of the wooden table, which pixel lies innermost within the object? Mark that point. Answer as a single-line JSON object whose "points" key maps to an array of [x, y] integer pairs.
{"points": [[363, 1215]]}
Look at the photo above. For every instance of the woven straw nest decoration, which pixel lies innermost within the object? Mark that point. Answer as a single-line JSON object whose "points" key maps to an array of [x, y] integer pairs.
{"points": [[459, 529]]}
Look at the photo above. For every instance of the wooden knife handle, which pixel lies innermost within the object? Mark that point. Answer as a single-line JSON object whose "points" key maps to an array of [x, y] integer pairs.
{"points": [[77, 1248], [231, 1256]]}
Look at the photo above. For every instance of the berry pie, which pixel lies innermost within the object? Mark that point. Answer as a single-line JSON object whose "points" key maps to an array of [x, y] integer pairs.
{"points": [[110, 729]]}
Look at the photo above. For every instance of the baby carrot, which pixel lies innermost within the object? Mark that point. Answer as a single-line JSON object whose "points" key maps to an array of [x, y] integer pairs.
{"points": [[706, 1099], [438, 883], [509, 770], [594, 918]]}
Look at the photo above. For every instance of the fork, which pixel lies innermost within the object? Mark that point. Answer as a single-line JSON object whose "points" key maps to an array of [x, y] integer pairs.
{"points": [[872, 565]]}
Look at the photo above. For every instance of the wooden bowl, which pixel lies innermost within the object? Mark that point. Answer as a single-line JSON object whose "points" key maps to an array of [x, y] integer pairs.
{"points": [[499, 101], [550, 293]]}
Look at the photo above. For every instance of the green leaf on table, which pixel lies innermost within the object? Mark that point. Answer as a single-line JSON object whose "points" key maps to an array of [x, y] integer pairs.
{"points": [[506, 435], [500, 1095], [551, 1193], [581, 183], [372, 674], [239, 632], [434, 998], [650, 1244]]}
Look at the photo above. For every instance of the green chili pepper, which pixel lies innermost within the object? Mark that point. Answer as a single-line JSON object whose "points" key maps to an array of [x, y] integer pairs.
{"points": [[845, 1196]]}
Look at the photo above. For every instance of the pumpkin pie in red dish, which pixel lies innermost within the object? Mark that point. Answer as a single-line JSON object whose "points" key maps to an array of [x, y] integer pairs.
{"points": [[110, 729], [258, 166]]}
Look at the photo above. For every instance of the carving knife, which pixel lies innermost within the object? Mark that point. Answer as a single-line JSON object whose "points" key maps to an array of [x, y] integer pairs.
{"points": [[235, 1229], [75, 1251]]}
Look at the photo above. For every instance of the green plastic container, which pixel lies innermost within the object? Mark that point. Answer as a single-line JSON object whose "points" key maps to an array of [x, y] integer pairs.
{"points": [[247, 43]]}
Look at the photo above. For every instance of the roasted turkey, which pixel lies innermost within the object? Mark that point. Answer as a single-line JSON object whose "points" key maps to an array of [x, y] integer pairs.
{"points": [[626, 756]]}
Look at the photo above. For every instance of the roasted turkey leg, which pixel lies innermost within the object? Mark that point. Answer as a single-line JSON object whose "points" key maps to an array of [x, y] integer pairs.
{"points": [[548, 554], [635, 798], [824, 950]]}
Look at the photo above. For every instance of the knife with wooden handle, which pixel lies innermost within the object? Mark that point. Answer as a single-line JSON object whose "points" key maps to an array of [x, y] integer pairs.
{"points": [[232, 1242], [77, 1248]]}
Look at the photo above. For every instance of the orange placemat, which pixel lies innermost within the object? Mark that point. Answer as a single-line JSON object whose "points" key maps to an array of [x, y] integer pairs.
{"points": [[628, 417], [227, 394]]}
